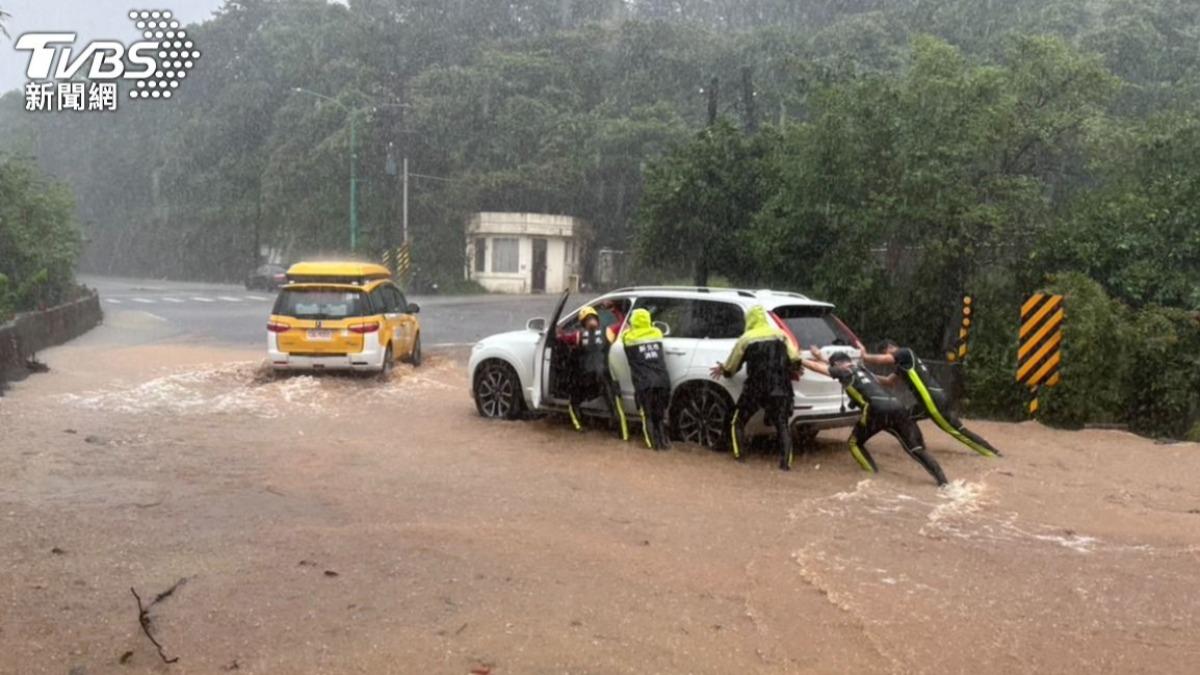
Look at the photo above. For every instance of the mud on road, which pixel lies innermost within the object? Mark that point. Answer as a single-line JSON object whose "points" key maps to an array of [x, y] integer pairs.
{"points": [[343, 525]]}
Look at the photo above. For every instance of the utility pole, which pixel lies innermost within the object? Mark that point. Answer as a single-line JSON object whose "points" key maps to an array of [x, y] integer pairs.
{"points": [[751, 111], [404, 220], [389, 239]]}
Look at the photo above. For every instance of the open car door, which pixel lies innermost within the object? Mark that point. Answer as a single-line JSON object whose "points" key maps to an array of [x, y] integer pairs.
{"points": [[543, 356]]}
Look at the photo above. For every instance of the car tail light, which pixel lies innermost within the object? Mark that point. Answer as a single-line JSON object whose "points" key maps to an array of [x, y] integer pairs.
{"points": [[276, 327], [365, 328]]}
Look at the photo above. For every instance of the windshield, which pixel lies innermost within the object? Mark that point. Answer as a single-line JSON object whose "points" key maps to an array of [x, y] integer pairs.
{"points": [[323, 304], [815, 326]]}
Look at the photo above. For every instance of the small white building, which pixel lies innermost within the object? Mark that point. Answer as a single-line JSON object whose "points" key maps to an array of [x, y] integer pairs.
{"points": [[526, 252]]}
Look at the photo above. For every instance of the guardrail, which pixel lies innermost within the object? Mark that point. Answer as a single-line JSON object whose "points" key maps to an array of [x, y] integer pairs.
{"points": [[31, 332]]}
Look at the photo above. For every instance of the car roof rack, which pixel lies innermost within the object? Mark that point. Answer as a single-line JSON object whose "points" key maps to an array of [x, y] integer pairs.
{"points": [[741, 292]]}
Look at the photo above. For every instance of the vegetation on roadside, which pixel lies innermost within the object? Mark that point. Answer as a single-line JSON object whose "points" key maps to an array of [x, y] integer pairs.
{"points": [[39, 241]]}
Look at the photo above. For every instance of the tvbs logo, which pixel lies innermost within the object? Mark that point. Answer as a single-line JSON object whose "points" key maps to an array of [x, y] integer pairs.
{"points": [[64, 79]]}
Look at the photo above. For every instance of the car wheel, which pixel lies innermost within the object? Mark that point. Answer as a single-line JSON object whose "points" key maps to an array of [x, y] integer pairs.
{"points": [[498, 391], [389, 362], [700, 415], [415, 357]]}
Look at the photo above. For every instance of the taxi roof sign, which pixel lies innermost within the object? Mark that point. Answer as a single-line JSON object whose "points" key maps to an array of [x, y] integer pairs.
{"points": [[337, 272]]}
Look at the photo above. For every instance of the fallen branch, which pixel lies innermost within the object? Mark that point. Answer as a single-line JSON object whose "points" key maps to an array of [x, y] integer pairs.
{"points": [[144, 617]]}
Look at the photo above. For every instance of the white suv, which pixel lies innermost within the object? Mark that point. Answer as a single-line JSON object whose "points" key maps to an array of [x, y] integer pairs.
{"points": [[522, 371]]}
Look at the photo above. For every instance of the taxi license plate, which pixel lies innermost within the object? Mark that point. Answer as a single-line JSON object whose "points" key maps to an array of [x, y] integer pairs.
{"points": [[320, 335]]}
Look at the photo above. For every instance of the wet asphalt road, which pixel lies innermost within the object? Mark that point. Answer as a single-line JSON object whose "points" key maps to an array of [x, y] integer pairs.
{"points": [[226, 314]]}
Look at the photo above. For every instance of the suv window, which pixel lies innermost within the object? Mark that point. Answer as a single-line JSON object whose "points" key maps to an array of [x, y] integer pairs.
{"points": [[815, 326], [698, 319], [608, 317], [320, 304]]}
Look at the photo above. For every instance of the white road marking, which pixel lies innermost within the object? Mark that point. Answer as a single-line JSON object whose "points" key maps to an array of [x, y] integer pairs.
{"points": [[112, 302], [200, 299], [227, 298], [257, 297], [173, 300], [144, 301]]}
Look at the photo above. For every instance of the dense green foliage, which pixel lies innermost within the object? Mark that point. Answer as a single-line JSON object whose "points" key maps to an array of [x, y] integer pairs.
{"points": [[887, 155], [39, 241]]}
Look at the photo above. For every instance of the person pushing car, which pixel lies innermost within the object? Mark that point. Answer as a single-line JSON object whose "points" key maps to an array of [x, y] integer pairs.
{"points": [[929, 393], [589, 376], [880, 412], [651, 381], [770, 359]]}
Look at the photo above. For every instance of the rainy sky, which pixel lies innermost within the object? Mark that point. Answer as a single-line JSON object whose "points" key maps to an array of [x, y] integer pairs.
{"points": [[92, 19]]}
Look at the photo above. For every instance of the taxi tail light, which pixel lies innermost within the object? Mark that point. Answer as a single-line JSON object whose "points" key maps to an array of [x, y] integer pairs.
{"points": [[365, 328], [276, 327]]}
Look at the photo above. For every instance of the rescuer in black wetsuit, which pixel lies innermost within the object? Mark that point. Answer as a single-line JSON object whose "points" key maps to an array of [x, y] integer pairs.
{"points": [[880, 412], [589, 377], [770, 359], [930, 395], [651, 381]]}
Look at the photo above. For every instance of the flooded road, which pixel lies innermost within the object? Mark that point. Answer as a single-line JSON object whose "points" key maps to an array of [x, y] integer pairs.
{"points": [[346, 525]]}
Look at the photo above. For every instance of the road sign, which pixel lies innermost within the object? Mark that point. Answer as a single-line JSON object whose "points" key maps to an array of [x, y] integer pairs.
{"points": [[1039, 357]]}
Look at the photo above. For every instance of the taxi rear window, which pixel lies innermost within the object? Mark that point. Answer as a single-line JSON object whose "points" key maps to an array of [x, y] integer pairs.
{"points": [[322, 304]]}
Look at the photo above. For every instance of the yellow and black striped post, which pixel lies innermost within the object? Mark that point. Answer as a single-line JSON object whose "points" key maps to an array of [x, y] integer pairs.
{"points": [[404, 261], [1039, 356], [399, 260], [959, 352]]}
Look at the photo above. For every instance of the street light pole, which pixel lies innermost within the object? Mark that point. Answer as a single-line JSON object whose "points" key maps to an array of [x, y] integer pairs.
{"points": [[353, 181], [405, 218], [353, 115]]}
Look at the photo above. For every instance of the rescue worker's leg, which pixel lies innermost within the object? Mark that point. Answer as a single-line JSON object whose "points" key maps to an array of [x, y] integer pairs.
{"points": [[573, 411], [863, 431], [642, 400], [779, 412], [616, 405], [660, 399], [939, 410], [909, 434], [742, 412]]}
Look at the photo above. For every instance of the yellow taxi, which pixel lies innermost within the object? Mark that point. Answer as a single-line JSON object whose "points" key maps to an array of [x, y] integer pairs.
{"points": [[342, 316]]}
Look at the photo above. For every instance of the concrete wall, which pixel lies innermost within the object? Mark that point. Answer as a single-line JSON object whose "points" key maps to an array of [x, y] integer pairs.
{"points": [[32, 332]]}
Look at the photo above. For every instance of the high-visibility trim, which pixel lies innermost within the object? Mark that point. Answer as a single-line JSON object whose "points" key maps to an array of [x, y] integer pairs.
{"points": [[737, 450], [621, 415], [574, 417], [858, 457], [646, 429], [939, 420]]}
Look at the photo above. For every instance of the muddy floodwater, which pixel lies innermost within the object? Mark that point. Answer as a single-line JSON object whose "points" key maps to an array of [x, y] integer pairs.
{"points": [[347, 525]]}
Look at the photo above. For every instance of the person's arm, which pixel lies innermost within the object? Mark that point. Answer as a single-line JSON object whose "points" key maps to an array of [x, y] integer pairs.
{"points": [[874, 359], [817, 366], [890, 380], [732, 365]]}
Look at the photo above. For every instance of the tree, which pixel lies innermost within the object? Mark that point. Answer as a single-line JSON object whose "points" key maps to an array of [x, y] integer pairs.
{"points": [[698, 199]]}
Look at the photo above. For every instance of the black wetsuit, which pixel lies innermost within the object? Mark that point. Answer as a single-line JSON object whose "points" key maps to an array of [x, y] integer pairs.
{"points": [[881, 412], [932, 398], [591, 379], [768, 388], [652, 389]]}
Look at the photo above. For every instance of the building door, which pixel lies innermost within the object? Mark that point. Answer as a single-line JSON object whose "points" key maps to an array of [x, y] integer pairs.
{"points": [[539, 266]]}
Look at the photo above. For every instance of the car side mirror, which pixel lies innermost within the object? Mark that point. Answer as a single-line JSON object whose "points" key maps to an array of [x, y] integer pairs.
{"points": [[666, 329], [536, 325], [414, 308]]}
